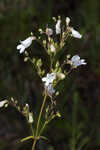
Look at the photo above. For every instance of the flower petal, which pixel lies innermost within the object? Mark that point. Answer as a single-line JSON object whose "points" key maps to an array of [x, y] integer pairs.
{"points": [[19, 46], [44, 79], [22, 49]]}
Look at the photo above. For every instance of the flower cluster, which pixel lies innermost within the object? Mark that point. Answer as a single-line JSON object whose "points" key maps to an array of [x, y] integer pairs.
{"points": [[52, 47], [74, 33]]}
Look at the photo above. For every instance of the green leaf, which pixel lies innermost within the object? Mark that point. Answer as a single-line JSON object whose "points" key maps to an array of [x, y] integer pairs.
{"points": [[44, 138], [27, 138]]}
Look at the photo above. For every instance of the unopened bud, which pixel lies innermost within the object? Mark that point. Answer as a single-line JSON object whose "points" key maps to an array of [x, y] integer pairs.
{"points": [[49, 31], [30, 119], [67, 21], [52, 48]]}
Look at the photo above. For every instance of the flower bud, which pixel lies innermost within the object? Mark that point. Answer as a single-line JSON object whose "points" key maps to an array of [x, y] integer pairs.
{"points": [[30, 119], [52, 48], [67, 21], [49, 31]]}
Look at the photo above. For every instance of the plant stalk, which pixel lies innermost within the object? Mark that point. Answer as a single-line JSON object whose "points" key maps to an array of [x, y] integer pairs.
{"points": [[38, 122]]}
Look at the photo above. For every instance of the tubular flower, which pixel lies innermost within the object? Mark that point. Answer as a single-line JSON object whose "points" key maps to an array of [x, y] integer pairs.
{"points": [[76, 61], [25, 44], [75, 33]]}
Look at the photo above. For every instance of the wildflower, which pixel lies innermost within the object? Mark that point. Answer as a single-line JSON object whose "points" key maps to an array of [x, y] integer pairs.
{"points": [[75, 33], [2, 103], [76, 61], [49, 31], [49, 78], [58, 28], [50, 90], [25, 44], [52, 48]]}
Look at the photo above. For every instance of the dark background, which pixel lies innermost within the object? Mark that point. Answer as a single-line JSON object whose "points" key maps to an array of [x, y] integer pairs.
{"points": [[79, 100]]}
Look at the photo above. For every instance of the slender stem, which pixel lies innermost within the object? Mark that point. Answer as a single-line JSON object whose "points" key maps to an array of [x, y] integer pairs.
{"points": [[43, 127], [34, 143], [31, 129], [40, 114], [51, 63], [38, 122]]}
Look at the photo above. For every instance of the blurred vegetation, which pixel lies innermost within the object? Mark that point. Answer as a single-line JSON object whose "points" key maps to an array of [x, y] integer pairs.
{"points": [[79, 102]]}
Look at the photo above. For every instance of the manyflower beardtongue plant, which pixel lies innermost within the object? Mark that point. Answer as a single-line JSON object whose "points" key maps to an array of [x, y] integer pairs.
{"points": [[52, 44], [76, 61], [25, 44]]}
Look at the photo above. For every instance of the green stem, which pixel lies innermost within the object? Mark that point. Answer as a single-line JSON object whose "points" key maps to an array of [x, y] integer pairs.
{"points": [[31, 129], [43, 127], [34, 143], [38, 122]]}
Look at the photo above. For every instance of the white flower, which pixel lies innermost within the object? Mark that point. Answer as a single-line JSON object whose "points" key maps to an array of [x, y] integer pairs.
{"points": [[50, 89], [58, 28], [76, 61], [25, 44], [2, 103], [49, 78], [49, 31], [52, 48], [75, 33]]}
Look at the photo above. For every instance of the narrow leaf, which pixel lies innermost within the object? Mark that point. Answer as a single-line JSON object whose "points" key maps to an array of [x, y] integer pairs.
{"points": [[27, 138]]}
